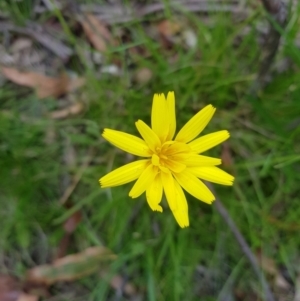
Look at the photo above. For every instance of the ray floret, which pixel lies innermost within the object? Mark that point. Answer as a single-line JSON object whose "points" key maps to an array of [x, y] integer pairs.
{"points": [[170, 165]]}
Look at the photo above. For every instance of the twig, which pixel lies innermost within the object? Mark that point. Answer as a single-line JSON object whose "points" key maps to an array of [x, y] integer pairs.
{"points": [[122, 14], [278, 12], [243, 244], [38, 33], [56, 46]]}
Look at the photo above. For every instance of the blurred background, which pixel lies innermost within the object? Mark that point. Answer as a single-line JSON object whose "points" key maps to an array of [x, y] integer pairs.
{"points": [[68, 69]]}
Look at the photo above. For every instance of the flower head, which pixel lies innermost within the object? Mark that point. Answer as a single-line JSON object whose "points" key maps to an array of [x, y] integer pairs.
{"points": [[170, 163]]}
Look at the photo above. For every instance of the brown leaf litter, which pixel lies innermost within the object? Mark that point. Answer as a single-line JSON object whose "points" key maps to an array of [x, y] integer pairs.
{"points": [[11, 290], [97, 33], [71, 267], [45, 86]]}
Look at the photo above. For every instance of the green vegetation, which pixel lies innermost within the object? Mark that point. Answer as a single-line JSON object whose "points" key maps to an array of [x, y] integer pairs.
{"points": [[39, 156]]}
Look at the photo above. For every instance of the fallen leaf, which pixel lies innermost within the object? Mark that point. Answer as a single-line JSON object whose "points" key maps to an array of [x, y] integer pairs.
{"points": [[20, 44], [45, 86], [69, 226], [71, 267], [97, 32], [27, 297], [10, 288], [269, 266], [226, 155], [72, 222], [75, 83], [71, 110], [169, 34], [143, 75], [169, 29]]}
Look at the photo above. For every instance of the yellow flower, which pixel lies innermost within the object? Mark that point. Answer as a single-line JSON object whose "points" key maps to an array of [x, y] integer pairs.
{"points": [[170, 163]]}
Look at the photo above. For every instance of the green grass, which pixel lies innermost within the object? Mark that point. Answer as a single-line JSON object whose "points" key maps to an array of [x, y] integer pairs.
{"points": [[162, 260]]}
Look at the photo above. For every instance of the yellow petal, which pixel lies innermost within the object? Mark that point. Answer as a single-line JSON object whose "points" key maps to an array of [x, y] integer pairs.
{"points": [[198, 160], [172, 115], [148, 135], [180, 157], [208, 141], [196, 124], [159, 116], [194, 186], [155, 160], [127, 142], [175, 166], [212, 174], [168, 184], [182, 204], [175, 148], [154, 194], [181, 213], [145, 179], [124, 174]]}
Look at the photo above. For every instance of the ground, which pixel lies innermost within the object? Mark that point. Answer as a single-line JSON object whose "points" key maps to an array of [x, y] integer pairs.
{"points": [[99, 69]]}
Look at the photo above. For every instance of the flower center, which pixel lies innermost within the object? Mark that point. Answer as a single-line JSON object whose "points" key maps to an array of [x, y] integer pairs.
{"points": [[168, 158]]}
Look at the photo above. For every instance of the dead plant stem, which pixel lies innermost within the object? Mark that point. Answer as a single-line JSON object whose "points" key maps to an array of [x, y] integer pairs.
{"points": [[243, 244]]}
